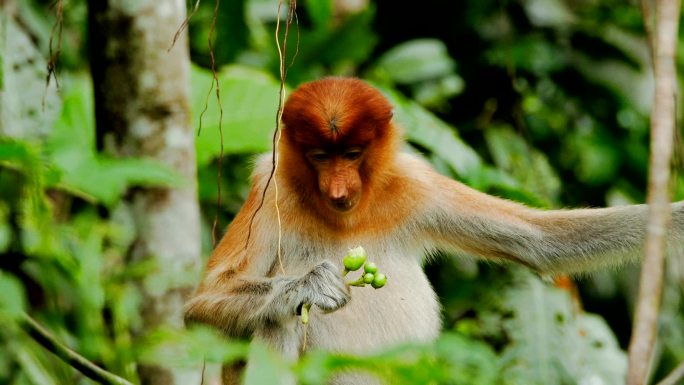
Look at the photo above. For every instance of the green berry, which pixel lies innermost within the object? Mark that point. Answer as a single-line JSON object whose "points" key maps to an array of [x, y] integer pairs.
{"points": [[370, 267], [379, 281], [355, 259], [368, 277]]}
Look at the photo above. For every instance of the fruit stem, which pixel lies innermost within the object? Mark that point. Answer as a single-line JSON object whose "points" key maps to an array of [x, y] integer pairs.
{"points": [[359, 282], [305, 313]]}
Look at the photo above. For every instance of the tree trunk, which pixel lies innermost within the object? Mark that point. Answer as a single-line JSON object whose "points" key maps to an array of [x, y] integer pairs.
{"points": [[142, 109]]}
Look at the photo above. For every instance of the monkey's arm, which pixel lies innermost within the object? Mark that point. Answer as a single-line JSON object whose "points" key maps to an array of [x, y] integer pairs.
{"points": [[459, 217], [240, 305], [236, 294]]}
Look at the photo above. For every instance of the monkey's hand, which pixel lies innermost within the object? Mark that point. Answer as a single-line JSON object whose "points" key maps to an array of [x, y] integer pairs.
{"points": [[324, 287]]}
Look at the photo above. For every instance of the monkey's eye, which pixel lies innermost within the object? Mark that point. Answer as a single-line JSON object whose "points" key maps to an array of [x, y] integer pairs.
{"points": [[318, 156], [353, 153]]}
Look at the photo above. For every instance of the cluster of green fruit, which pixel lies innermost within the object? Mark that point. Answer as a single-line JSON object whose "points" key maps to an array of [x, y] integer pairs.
{"points": [[356, 258]]}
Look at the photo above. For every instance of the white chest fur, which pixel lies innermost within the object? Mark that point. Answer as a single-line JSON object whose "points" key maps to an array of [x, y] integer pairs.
{"points": [[405, 310]]}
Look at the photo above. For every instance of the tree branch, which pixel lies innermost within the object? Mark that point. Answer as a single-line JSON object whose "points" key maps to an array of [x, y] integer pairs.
{"points": [[674, 376], [663, 118], [69, 356]]}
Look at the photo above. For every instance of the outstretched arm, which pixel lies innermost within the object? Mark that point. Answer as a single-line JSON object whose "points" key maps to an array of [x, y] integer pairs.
{"points": [[458, 217]]}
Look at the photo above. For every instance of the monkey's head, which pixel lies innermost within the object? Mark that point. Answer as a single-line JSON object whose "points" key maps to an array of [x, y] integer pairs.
{"points": [[337, 136]]}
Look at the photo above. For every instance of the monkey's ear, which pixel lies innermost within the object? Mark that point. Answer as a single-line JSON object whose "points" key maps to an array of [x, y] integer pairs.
{"points": [[391, 114]]}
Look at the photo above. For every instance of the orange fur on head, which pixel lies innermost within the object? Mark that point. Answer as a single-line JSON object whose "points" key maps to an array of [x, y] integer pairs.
{"points": [[331, 116], [336, 111]]}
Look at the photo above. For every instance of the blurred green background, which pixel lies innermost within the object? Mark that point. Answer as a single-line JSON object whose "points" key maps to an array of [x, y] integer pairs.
{"points": [[541, 101]]}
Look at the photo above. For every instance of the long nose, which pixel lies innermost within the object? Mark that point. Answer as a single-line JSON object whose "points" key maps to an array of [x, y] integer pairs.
{"points": [[338, 191]]}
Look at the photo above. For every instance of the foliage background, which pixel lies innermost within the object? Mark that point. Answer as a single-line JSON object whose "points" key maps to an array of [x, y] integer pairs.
{"points": [[541, 101]]}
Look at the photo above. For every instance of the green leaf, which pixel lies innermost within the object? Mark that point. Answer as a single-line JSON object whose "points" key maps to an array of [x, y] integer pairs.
{"points": [[232, 33], [535, 331], [13, 298], [434, 93], [86, 244], [107, 179], [320, 12], [87, 173], [429, 132], [28, 192], [347, 44], [189, 347], [470, 361], [551, 344], [452, 359], [315, 368], [530, 53], [32, 367], [415, 61], [597, 353], [6, 232], [531, 168], [16, 152], [595, 159], [265, 367], [549, 13], [250, 101]]}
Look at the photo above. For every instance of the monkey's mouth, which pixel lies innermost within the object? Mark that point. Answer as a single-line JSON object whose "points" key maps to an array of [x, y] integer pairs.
{"points": [[342, 205]]}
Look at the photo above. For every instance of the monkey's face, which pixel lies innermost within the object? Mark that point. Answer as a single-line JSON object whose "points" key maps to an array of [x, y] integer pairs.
{"points": [[337, 170], [339, 129]]}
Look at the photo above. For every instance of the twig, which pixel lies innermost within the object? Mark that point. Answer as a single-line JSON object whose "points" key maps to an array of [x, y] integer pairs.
{"points": [[215, 81], [184, 25], [58, 5], [69, 356], [647, 16], [662, 128], [282, 55], [57, 27], [674, 376]]}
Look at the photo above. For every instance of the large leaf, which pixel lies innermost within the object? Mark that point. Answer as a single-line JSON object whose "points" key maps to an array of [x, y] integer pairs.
{"points": [[552, 344], [250, 101], [416, 60], [448, 152], [597, 357], [626, 73], [512, 154], [72, 148], [352, 41], [426, 130], [536, 333], [425, 66]]}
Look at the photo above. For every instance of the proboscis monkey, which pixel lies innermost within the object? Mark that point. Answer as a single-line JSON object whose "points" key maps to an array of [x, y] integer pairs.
{"points": [[343, 182]]}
